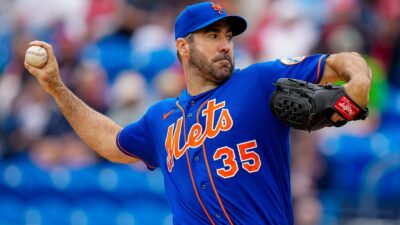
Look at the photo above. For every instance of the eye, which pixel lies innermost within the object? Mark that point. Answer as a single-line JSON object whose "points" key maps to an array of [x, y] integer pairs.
{"points": [[229, 37], [212, 35]]}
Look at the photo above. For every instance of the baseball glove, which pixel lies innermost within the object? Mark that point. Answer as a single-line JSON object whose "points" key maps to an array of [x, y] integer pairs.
{"points": [[308, 106]]}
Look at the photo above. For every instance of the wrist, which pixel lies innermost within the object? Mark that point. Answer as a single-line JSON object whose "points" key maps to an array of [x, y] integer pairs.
{"points": [[360, 83], [58, 90], [358, 91]]}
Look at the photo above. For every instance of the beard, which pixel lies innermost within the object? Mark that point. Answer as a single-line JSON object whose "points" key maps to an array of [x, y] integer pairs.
{"points": [[209, 70]]}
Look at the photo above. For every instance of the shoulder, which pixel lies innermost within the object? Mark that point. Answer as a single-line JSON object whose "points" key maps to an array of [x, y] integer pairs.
{"points": [[277, 64], [289, 67], [256, 70], [259, 67], [157, 110]]}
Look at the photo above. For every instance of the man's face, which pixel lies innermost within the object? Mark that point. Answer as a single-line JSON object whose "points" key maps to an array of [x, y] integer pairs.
{"points": [[211, 52]]}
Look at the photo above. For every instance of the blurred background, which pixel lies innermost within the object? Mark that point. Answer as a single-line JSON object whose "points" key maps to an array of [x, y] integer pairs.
{"points": [[119, 57]]}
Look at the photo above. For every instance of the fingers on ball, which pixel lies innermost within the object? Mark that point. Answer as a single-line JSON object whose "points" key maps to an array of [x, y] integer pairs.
{"points": [[44, 45], [36, 56]]}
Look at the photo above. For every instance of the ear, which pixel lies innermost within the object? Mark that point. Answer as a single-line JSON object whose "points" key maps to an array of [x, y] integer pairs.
{"points": [[182, 46]]}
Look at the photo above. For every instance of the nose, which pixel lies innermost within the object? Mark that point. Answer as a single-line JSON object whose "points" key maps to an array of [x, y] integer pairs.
{"points": [[225, 46]]}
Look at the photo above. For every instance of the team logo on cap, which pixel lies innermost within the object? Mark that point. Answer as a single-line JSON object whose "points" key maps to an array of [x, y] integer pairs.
{"points": [[217, 7], [293, 60]]}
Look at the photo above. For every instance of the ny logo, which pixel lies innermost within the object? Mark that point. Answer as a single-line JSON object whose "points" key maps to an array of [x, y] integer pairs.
{"points": [[217, 7]]}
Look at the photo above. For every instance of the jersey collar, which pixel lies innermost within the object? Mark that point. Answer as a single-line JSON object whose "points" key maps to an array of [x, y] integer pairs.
{"points": [[186, 98]]}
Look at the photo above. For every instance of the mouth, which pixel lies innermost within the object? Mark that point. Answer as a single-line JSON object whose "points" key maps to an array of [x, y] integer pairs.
{"points": [[222, 57], [224, 63]]}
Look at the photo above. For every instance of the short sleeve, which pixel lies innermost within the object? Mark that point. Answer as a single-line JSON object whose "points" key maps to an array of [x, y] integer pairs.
{"points": [[136, 140], [310, 68]]}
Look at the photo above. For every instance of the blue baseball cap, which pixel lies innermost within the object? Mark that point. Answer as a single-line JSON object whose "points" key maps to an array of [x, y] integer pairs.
{"points": [[198, 16]]}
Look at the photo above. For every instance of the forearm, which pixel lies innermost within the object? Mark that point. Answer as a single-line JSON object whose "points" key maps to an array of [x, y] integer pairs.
{"points": [[346, 66], [96, 130], [351, 68]]}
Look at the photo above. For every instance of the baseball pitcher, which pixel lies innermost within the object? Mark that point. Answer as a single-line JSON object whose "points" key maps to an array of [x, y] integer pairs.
{"points": [[223, 144]]}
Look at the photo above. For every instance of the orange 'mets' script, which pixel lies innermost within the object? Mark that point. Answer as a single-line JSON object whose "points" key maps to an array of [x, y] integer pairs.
{"points": [[197, 134]]}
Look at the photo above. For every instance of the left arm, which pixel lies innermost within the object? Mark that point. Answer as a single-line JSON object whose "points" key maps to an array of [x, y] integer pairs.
{"points": [[351, 68]]}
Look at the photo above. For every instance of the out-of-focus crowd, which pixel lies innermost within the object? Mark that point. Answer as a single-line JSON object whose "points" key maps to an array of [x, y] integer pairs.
{"points": [[119, 57]]}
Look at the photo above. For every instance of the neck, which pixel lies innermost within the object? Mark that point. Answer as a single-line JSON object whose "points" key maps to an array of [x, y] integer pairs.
{"points": [[196, 84]]}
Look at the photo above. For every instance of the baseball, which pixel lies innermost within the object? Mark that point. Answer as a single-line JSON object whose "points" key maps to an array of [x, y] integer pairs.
{"points": [[36, 56]]}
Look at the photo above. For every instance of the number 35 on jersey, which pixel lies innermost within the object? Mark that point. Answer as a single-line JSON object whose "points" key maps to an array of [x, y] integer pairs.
{"points": [[247, 151]]}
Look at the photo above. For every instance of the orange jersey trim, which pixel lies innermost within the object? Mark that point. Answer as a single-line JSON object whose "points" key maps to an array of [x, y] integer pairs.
{"points": [[130, 154], [209, 172], [190, 168], [319, 69]]}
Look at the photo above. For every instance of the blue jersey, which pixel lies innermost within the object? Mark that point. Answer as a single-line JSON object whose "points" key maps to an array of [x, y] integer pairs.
{"points": [[224, 156]]}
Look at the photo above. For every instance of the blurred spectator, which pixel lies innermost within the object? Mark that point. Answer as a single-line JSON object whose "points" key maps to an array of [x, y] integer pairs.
{"points": [[48, 13], [253, 12], [113, 51], [154, 50], [68, 52], [17, 41], [89, 82], [286, 32], [342, 32], [65, 151], [101, 16], [27, 120], [169, 83], [308, 211], [129, 98]]}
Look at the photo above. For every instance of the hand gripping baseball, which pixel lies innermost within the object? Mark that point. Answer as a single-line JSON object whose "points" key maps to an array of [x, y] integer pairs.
{"points": [[308, 106], [47, 75]]}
